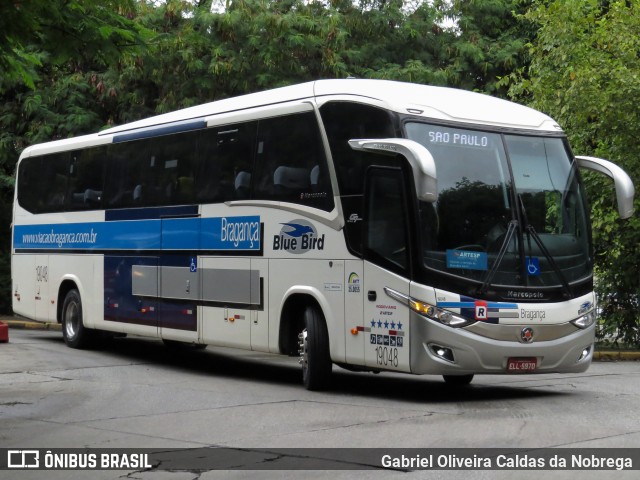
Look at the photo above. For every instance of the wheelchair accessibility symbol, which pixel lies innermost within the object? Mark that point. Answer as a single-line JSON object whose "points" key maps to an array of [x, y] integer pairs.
{"points": [[533, 266], [193, 264]]}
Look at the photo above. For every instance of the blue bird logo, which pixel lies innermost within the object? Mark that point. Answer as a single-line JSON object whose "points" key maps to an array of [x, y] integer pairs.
{"points": [[298, 230]]}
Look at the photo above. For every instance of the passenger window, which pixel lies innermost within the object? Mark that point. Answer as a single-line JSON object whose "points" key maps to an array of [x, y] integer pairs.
{"points": [[171, 169], [290, 162], [29, 184], [42, 183], [226, 163], [129, 179], [86, 179]]}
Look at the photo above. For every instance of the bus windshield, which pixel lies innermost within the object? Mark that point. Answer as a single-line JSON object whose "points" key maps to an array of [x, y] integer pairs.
{"points": [[510, 209]]}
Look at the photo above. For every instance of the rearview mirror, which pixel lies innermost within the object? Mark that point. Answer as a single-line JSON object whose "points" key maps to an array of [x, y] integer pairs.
{"points": [[421, 161], [624, 186]]}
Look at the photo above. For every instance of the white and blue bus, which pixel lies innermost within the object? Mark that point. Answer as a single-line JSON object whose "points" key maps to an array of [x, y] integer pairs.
{"points": [[370, 224]]}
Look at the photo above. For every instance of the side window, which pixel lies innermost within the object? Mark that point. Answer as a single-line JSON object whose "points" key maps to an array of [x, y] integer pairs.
{"points": [[62, 181], [344, 121], [30, 195], [86, 179], [171, 170], [290, 162], [386, 226], [42, 183], [226, 163], [129, 179], [152, 172]]}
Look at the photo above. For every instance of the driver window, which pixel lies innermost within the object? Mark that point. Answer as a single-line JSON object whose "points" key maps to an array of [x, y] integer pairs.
{"points": [[386, 228]]}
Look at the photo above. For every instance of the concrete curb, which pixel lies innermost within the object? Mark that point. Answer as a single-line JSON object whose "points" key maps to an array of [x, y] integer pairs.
{"points": [[615, 356], [30, 325], [598, 356]]}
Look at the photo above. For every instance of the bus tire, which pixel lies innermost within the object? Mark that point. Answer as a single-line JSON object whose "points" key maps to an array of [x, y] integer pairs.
{"points": [[314, 351], [73, 330], [458, 380]]}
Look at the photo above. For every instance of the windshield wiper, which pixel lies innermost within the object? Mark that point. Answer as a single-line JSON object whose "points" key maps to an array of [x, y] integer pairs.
{"points": [[511, 229], [536, 238], [531, 231]]}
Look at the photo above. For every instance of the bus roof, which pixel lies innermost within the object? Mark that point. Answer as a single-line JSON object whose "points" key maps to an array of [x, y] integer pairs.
{"points": [[433, 102], [429, 102], [442, 103]]}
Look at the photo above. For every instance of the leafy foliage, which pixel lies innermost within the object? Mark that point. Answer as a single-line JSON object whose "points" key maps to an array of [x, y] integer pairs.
{"points": [[585, 72], [202, 54], [50, 53]]}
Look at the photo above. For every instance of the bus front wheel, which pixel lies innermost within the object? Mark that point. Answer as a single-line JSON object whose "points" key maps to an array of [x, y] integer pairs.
{"points": [[73, 330], [314, 351]]}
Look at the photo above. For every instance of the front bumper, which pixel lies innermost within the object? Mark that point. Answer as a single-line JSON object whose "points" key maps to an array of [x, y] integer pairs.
{"points": [[471, 353]]}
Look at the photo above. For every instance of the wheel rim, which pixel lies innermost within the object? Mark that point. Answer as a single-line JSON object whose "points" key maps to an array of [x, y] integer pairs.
{"points": [[71, 319], [303, 350]]}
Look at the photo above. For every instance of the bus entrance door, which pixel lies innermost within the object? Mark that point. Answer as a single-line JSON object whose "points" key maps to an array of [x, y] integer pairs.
{"points": [[386, 268], [386, 320]]}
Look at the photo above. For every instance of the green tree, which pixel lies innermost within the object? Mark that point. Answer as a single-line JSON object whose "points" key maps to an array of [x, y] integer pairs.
{"points": [[248, 45], [34, 34], [585, 72], [51, 54]]}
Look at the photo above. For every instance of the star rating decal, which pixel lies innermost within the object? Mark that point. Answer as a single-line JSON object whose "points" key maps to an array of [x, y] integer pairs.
{"points": [[386, 324]]}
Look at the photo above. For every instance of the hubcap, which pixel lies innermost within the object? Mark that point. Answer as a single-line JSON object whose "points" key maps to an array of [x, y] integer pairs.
{"points": [[303, 350], [71, 320]]}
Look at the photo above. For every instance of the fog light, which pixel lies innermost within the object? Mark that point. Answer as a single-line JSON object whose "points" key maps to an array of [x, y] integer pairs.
{"points": [[442, 352], [584, 354]]}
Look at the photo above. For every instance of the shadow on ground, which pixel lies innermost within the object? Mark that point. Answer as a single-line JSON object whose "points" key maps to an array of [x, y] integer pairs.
{"points": [[276, 370]]}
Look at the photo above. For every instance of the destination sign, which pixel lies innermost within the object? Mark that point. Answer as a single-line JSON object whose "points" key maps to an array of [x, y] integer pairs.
{"points": [[462, 138]]}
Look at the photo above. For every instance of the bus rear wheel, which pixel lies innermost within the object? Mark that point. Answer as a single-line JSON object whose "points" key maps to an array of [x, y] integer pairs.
{"points": [[73, 330], [313, 344]]}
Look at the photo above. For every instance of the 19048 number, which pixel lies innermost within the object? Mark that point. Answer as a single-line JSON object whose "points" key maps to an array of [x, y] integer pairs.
{"points": [[42, 273], [387, 356]]}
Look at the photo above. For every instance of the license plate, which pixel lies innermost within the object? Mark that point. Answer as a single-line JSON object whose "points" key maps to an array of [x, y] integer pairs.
{"points": [[522, 365]]}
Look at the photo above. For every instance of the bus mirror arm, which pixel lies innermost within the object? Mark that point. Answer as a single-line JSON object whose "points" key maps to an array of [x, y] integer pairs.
{"points": [[422, 164], [624, 186]]}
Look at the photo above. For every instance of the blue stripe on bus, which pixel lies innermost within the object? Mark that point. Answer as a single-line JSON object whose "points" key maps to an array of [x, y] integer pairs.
{"points": [[218, 233], [472, 305], [157, 131]]}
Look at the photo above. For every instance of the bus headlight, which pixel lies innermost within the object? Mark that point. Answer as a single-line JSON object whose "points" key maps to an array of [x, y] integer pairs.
{"points": [[430, 311], [586, 320], [434, 313]]}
